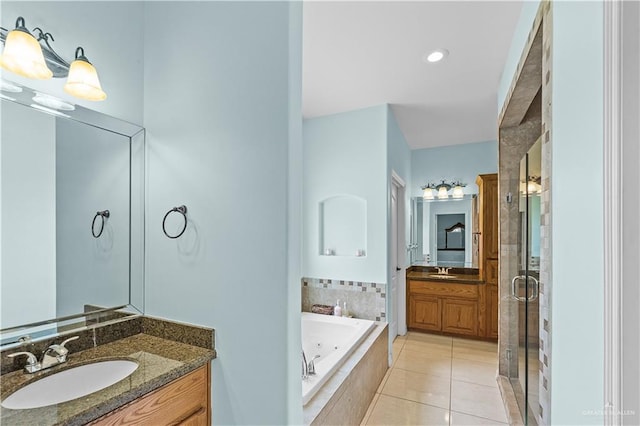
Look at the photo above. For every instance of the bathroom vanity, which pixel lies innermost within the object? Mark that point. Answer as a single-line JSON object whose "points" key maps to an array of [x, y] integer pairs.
{"points": [[171, 384], [461, 301]]}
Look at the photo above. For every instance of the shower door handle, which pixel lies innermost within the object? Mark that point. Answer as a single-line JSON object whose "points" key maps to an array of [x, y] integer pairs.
{"points": [[514, 290], [536, 289], [530, 295]]}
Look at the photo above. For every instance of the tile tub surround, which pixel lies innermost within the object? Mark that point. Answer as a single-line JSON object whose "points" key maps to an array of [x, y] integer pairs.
{"points": [[161, 360], [364, 300], [346, 395]]}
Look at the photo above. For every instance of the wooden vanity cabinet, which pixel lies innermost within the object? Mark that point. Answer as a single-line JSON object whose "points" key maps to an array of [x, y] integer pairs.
{"points": [[488, 253], [443, 307], [184, 402]]}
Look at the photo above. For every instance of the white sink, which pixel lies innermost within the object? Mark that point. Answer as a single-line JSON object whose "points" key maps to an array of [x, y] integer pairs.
{"points": [[70, 384]]}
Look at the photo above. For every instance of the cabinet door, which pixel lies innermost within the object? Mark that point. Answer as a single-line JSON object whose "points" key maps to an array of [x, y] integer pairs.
{"points": [[492, 311], [460, 316], [425, 313], [184, 399]]}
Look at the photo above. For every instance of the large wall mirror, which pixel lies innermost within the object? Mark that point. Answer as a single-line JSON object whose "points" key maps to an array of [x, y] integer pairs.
{"points": [[72, 214], [444, 232]]}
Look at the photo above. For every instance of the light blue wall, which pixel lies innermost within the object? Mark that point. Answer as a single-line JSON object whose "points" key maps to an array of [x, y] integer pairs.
{"points": [[218, 113], [399, 161], [463, 162], [577, 215], [346, 154], [520, 35]]}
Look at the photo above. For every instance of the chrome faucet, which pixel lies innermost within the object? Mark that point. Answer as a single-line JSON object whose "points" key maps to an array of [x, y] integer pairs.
{"points": [[311, 367], [305, 367], [54, 355], [443, 270]]}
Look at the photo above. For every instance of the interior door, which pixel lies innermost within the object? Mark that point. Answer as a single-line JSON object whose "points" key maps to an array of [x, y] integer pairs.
{"points": [[525, 285]]}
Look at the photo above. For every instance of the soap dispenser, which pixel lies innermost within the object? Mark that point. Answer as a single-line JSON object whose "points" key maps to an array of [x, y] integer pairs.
{"points": [[337, 311]]}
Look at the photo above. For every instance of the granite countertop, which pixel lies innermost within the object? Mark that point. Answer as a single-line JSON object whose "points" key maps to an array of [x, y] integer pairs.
{"points": [[459, 278], [160, 361]]}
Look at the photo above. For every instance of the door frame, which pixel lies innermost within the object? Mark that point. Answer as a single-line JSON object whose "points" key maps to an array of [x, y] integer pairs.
{"points": [[398, 300]]}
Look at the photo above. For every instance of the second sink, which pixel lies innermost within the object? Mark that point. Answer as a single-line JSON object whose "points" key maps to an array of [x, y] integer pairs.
{"points": [[70, 384]]}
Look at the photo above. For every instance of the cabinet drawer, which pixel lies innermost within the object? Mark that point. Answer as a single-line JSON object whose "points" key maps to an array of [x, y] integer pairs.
{"points": [[183, 400], [431, 288]]}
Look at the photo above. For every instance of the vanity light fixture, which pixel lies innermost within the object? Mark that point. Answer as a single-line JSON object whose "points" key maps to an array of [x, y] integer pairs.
{"points": [[82, 81], [23, 55], [35, 58], [533, 186], [442, 190], [427, 191]]}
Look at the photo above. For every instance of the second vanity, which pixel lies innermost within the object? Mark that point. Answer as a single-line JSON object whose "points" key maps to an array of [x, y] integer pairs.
{"points": [[456, 303], [171, 384]]}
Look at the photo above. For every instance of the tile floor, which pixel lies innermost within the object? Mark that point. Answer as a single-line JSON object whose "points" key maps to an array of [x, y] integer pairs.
{"points": [[439, 380]]}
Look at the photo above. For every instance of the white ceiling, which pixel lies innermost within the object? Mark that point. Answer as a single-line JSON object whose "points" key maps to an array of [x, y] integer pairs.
{"points": [[359, 54]]}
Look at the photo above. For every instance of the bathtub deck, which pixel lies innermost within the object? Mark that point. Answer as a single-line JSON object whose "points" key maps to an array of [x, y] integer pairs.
{"points": [[345, 397]]}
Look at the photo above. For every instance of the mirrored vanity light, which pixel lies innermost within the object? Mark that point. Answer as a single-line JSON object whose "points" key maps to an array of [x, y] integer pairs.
{"points": [[23, 55]]}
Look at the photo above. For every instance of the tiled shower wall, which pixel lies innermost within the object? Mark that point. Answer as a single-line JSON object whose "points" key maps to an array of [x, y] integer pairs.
{"points": [[514, 143], [364, 300]]}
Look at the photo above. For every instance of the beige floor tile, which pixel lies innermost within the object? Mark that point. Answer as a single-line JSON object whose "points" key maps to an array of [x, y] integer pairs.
{"points": [[427, 348], [418, 387], [395, 411], [433, 365], [475, 344], [482, 373], [397, 348], [460, 419], [429, 338], [370, 409], [475, 352], [477, 400], [399, 337], [384, 380]]}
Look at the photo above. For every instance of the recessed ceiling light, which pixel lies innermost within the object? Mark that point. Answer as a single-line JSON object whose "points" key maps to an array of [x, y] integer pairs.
{"points": [[436, 56], [52, 102]]}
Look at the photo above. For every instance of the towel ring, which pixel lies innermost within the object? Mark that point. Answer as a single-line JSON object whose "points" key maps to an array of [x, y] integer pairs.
{"points": [[183, 211], [102, 215]]}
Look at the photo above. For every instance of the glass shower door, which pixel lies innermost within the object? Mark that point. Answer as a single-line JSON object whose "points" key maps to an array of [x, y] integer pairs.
{"points": [[525, 285]]}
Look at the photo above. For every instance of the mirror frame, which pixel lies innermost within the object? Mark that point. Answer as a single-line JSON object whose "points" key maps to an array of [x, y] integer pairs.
{"points": [[50, 328], [413, 246]]}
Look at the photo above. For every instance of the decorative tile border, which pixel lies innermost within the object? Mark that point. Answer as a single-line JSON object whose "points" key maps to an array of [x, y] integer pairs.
{"points": [[373, 300]]}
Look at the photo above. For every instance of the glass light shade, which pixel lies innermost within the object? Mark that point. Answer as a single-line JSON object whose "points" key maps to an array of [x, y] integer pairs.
{"points": [[443, 193], [427, 193], [83, 82], [23, 55], [457, 192]]}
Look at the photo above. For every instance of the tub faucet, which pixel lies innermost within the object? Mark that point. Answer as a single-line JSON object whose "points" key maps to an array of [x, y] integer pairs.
{"points": [[311, 367], [305, 367]]}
